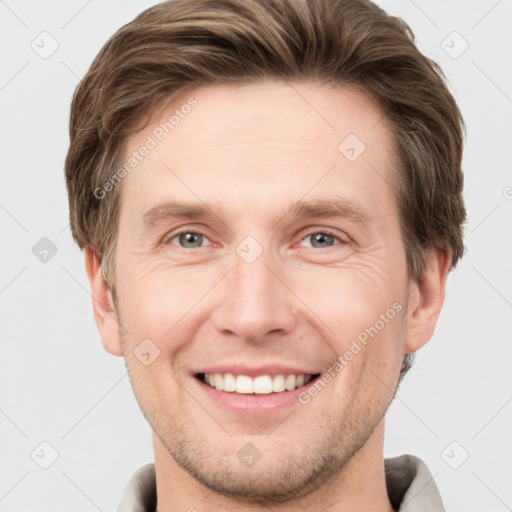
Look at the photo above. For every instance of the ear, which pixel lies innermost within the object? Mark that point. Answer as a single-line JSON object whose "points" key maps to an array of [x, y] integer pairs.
{"points": [[426, 300], [105, 314]]}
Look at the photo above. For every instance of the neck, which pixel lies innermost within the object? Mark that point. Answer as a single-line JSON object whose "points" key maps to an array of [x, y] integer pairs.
{"points": [[360, 485]]}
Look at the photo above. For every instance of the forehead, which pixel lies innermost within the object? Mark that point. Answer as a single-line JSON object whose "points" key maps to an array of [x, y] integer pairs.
{"points": [[261, 142], [270, 112]]}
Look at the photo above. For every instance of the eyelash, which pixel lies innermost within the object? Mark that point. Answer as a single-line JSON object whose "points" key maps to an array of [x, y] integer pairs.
{"points": [[327, 232]]}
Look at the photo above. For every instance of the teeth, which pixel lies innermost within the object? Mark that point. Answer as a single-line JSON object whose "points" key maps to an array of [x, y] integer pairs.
{"points": [[278, 384], [261, 385], [229, 382], [219, 382], [290, 382], [244, 384]]}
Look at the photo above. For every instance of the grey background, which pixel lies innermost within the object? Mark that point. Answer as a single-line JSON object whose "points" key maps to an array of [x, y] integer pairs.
{"points": [[58, 385]]}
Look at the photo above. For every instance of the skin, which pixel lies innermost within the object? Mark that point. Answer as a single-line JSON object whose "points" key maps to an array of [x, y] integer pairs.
{"points": [[250, 153]]}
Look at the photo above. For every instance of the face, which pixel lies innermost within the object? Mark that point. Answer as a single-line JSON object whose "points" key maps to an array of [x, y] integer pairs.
{"points": [[260, 240]]}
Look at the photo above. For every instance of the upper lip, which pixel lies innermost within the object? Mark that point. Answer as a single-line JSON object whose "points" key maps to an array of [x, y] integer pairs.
{"points": [[254, 371]]}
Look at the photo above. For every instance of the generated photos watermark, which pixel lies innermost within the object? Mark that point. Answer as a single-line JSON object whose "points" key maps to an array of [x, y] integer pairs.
{"points": [[152, 141], [357, 345]]}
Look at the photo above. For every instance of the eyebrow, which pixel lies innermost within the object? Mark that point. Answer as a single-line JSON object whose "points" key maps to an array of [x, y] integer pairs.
{"points": [[331, 208], [302, 209], [175, 209]]}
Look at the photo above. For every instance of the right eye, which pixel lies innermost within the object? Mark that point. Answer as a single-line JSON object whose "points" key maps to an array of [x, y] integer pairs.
{"points": [[187, 239]]}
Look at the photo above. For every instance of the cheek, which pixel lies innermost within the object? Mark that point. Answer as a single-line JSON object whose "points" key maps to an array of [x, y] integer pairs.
{"points": [[349, 299], [359, 311], [158, 303], [154, 310]]}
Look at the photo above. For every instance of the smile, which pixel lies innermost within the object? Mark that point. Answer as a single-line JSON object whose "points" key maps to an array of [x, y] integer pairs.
{"points": [[260, 385]]}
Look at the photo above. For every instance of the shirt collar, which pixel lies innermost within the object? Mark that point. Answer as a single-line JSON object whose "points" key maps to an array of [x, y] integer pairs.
{"points": [[410, 485]]}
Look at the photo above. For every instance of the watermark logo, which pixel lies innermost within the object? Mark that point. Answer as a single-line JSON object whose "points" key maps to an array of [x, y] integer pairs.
{"points": [[351, 147], [44, 455], [455, 455], [249, 455], [454, 45], [44, 250], [45, 45], [146, 352], [249, 249]]}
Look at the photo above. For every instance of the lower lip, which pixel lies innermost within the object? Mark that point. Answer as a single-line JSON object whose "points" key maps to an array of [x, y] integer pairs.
{"points": [[253, 404]]}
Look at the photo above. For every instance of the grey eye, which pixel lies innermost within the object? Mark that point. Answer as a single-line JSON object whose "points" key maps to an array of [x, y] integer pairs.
{"points": [[321, 240], [189, 239]]}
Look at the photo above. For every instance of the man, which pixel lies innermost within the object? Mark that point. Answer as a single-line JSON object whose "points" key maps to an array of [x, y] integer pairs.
{"points": [[269, 199]]}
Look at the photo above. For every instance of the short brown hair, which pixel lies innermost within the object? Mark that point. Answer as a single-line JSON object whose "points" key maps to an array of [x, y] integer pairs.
{"points": [[182, 44]]}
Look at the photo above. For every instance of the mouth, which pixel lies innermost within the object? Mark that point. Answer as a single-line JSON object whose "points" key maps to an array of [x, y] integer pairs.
{"points": [[259, 385]]}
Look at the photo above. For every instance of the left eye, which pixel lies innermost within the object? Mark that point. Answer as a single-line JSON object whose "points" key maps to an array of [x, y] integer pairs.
{"points": [[189, 239], [321, 239]]}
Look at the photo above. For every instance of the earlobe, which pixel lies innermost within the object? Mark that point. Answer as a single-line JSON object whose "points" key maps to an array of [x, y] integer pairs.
{"points": [[105, 314], [426, 300]]}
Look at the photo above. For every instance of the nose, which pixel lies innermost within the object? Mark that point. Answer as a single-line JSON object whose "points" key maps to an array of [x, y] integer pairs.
{"points": [[256, 301]]}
